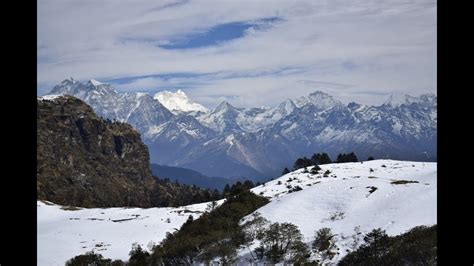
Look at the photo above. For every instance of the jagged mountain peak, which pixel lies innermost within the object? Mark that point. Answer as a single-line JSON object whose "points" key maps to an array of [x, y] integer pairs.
{"points": [[398, 99], [73, 87], [224, 106], [95, 82], [288, 105], [70, 80], [429, 98], [180, 92], [70, 87], [319, 99]]}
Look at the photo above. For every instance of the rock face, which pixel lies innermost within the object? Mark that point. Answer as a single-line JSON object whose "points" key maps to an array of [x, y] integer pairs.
{"points": [[83, 160]]}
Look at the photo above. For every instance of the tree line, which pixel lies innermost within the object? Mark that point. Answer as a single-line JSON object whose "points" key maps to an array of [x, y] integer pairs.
{"points": [[323, 158]]}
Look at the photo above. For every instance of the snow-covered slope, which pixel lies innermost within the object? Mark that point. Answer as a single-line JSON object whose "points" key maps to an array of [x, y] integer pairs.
{"points": [[178, 102], [63, 234], [352, 197]]}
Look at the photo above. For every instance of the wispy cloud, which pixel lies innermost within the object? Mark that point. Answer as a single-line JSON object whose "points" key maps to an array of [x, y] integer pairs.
{"points": [[231, 49]]}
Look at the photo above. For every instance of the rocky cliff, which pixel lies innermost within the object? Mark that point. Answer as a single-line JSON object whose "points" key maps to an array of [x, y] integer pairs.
{"points": [[84, 160]]}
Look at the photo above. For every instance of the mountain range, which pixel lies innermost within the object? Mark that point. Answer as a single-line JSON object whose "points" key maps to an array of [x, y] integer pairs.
{"points": [[258, 143]]}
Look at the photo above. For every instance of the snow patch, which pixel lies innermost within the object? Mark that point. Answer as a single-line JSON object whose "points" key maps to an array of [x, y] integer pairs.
{"points": [[178, 102], [95, 82], [50, 97]]}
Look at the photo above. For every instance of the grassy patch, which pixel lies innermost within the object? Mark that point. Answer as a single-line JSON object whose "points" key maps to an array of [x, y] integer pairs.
{"points": [[402, 182], [47, 202], [70, 208]]}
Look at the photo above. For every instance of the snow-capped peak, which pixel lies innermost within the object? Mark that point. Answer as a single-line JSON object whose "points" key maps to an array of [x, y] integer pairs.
{"points": [[180, 92], [397, 99], [69, 81], [287, 106], [178, 102], [224, 106], [95, 82], [319, 99]]}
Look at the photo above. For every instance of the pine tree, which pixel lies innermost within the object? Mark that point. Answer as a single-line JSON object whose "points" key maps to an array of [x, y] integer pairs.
{"points": [[321, 158], [280, 241], [285, 171], [325, 159], [324, 243], [226, 190], [138, 256], [351, 157]]}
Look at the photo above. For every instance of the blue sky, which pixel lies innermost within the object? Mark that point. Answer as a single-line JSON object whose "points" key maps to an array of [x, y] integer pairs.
{"points": [[217, 35], [251, 53]]}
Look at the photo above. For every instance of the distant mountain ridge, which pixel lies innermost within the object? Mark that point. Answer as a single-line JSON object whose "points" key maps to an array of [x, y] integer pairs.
{"points": [[190, 177], [258, 142]]}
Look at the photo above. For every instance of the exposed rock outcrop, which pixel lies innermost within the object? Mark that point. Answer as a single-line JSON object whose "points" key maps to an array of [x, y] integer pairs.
{"points": [[84, 160]]}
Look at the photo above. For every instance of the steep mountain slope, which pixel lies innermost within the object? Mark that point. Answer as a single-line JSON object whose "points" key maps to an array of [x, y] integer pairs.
{"points": [[83, 160], [258, 143]]}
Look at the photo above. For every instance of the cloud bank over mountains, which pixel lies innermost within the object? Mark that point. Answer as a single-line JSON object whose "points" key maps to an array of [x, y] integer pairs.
{"points": [[251, 53]]}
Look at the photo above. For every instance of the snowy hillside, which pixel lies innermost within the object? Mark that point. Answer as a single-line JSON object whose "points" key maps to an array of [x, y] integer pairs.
{"points": [[350, 198], [63, 234], [396, 196]]}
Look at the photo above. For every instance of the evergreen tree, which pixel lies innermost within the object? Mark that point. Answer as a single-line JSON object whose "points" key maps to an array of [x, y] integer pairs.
{"points": [[282, 241], [415, 247], [214, 235], [138, 256], [324, 243], [346, 158], [285, 171], [351, 157], [321, 158], [325, 159], [189, 220], [90, 258], [248, 184], [226, 190], [377, 242], [371, 158], [302, 162]]}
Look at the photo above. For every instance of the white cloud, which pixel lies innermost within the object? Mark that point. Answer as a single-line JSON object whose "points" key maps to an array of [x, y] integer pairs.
{"points": [[379, 46]]}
